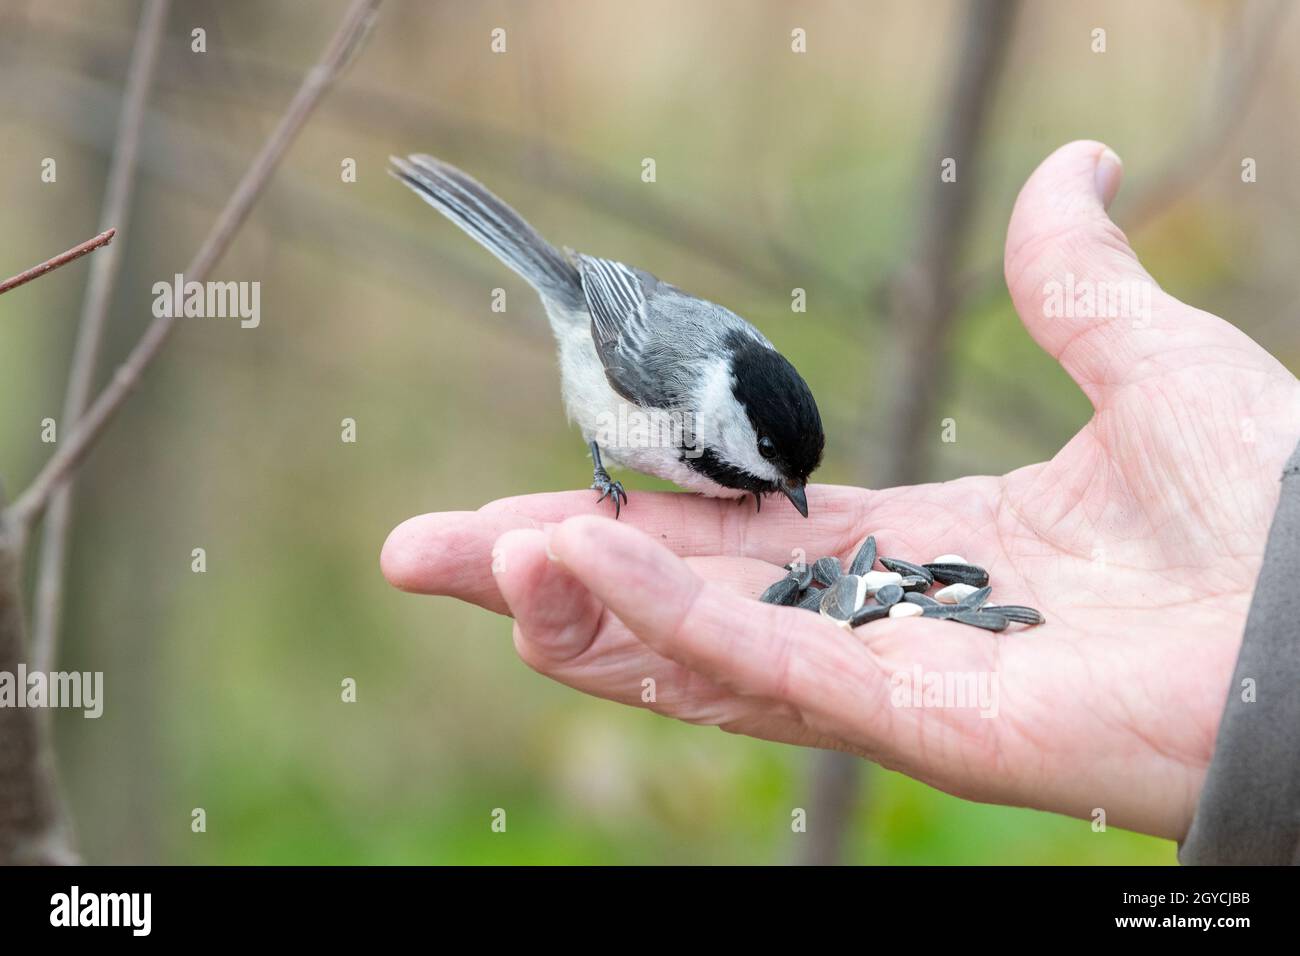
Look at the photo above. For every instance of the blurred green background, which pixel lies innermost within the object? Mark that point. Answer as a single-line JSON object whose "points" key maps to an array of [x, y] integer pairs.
{"points": [[775, 170]]}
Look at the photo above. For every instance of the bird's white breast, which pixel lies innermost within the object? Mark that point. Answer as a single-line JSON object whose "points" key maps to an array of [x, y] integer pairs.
{"points": [[648, 440]]}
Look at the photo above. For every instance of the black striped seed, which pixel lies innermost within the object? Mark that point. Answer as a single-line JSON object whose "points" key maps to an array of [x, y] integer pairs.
{"points": [[970, 574], [890, 594], [785, 591], [915, 597], [1017, 612], [801, 573], [914, 582], [975, 600], [907, 569], [826, 571], [942, 611], [811, 600], [984, 619], [865, 558], [839, 601], [868, 613]]}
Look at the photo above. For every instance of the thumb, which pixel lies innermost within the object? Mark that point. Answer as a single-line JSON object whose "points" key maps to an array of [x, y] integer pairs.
{"points": [[1078, 287]]}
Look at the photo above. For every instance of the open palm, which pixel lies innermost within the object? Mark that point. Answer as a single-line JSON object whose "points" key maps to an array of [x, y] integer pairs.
{"points": [[1140, 541]]}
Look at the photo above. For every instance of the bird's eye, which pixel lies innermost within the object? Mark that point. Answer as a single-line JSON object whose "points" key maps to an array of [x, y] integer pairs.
{"points": [[766, 448]]}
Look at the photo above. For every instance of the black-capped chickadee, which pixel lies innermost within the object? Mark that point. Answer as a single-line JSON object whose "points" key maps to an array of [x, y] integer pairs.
{"points": [[660, 381]]}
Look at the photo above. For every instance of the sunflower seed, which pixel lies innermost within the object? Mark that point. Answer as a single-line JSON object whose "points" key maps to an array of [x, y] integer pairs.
{"points": [[984, 619], [954, 593], [906, 610], [801, 573], [827, 571], [958, 573], [1016, 612], [785, 591], [889, 594], [879, 579], [868, 613], [866, 557], [941, 611], [811, 600], [842, 598], [906, 568]]}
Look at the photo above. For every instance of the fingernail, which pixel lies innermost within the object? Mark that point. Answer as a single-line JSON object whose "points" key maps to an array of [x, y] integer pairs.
{"points": [[548, 529], [1110, 171]]}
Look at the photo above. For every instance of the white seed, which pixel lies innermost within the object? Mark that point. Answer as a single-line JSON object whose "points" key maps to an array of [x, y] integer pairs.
{"points": [[950, 559], [875, 580], [954, 593], [906, 610]]}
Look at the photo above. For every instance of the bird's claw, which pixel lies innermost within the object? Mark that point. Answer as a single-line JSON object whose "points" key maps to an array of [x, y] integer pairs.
{"points": [[609, 488]]}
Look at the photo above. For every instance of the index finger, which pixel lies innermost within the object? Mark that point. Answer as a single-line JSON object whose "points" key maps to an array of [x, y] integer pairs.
{"points": [[450, 552], [692, 525]]}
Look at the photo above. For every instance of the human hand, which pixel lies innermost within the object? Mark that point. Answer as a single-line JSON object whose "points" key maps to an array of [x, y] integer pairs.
{"points": [[1140, 541]]}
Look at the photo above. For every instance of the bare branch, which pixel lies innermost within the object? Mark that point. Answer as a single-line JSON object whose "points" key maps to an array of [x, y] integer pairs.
{"points": [[926, 301], [47, 607], [356, 24], [62, 259]]}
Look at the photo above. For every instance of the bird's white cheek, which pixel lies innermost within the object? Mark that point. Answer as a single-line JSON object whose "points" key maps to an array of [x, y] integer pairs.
{"points": [[723, 426]]}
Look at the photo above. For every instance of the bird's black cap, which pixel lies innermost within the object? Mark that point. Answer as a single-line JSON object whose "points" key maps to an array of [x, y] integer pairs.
{"points": [[781, 407]]}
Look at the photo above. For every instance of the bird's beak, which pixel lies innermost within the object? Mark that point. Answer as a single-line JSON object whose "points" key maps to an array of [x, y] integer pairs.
{"points": [[798, 497]]}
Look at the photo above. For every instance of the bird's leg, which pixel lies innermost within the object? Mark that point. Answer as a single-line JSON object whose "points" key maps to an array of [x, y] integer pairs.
{"points": [[600, 481]]}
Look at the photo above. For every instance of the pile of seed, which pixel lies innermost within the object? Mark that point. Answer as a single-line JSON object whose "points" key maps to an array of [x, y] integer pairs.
{"points": [[898, 591]]}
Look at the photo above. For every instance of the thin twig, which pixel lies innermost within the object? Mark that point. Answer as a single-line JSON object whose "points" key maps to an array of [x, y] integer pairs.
{"points": [[62, 259], [356, 23], [550, 166], [48, 602]]}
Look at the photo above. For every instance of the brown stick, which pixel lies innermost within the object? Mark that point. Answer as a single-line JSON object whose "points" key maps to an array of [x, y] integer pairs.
{"points": [[34, 825], [62, 259], [927, 302], [346, 41], [48, 602]]}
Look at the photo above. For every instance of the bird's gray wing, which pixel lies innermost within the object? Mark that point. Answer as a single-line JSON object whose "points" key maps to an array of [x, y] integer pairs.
{"points": [[652, 338], [623, 332]]}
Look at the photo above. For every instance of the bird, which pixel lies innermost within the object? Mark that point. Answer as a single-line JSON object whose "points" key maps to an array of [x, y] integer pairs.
{"points": [[657, 380]]}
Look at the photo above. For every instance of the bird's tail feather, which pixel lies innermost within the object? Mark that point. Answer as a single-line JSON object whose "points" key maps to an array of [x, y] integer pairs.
{"points": [[493, 224]]}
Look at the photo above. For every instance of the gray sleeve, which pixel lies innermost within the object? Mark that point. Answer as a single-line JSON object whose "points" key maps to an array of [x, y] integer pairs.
{"points": [[1249, 810]]}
